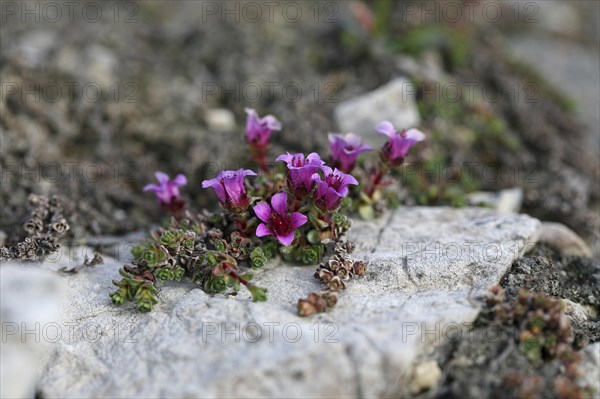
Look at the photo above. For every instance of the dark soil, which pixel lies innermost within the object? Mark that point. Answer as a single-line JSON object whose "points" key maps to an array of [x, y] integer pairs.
{"points": [[488, 362], [573, 278], [496, 368]]}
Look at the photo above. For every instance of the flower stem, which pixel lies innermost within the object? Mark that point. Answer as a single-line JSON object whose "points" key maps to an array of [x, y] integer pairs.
{"points": [[175, 207], [259, 155], [239, 278], [241, 222], [376, 178]]}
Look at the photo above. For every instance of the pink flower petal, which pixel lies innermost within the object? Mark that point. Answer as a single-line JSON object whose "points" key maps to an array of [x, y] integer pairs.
{"points": [[326, 170], [386, 128], [262, 230], [279, 203], [210, 183], [151, 187], [285, 157], [263, 211], [272, 122], [333, 138], [246, 172], [162, 177], [415, 134], [314, 159], [180, 180], [342, 192], [353, 139], [286, 239], [298, 220]]}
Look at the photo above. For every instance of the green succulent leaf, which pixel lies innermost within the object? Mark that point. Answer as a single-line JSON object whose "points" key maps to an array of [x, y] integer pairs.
{"points": [[119, 296], [179, 273], [258, 294], [269, 249], [165, 274], [215, 284], [258, 258], [311, 254], [169, 238]]}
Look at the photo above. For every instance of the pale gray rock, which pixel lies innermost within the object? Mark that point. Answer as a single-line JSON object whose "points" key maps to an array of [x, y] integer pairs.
{"points": [[220, 119], [35, 46], [427, 267], [30, 304], [394, 102], [429, 66], [425, 377], [578, 312], [504, 201], [95, 67], [558, 17], [590, 367], [564, 240]]}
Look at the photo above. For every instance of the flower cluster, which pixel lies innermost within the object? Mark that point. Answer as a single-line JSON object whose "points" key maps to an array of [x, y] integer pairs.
{"points": [[346, 149], [298, 212]]}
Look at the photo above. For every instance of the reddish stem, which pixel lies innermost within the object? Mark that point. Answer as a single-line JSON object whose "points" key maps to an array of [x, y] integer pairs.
{"points": [[241, 222], [239, 278], [376, 178], [175, 207], [259, 155]]}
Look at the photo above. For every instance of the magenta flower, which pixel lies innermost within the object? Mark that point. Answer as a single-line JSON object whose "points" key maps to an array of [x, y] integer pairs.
{"points": [[300, 171], [345, 149], [229, 187], [259, 130], [400, 142], [332, 188], [167, 191], [277, 220]]}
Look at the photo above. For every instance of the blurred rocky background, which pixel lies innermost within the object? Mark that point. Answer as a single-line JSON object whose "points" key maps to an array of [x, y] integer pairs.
{"points": [[96, 97]]}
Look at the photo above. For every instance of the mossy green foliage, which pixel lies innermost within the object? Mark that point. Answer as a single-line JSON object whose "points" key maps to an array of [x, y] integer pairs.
{"points": [[458, 127], [454, 44], [536, 82], [192, 247]]}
